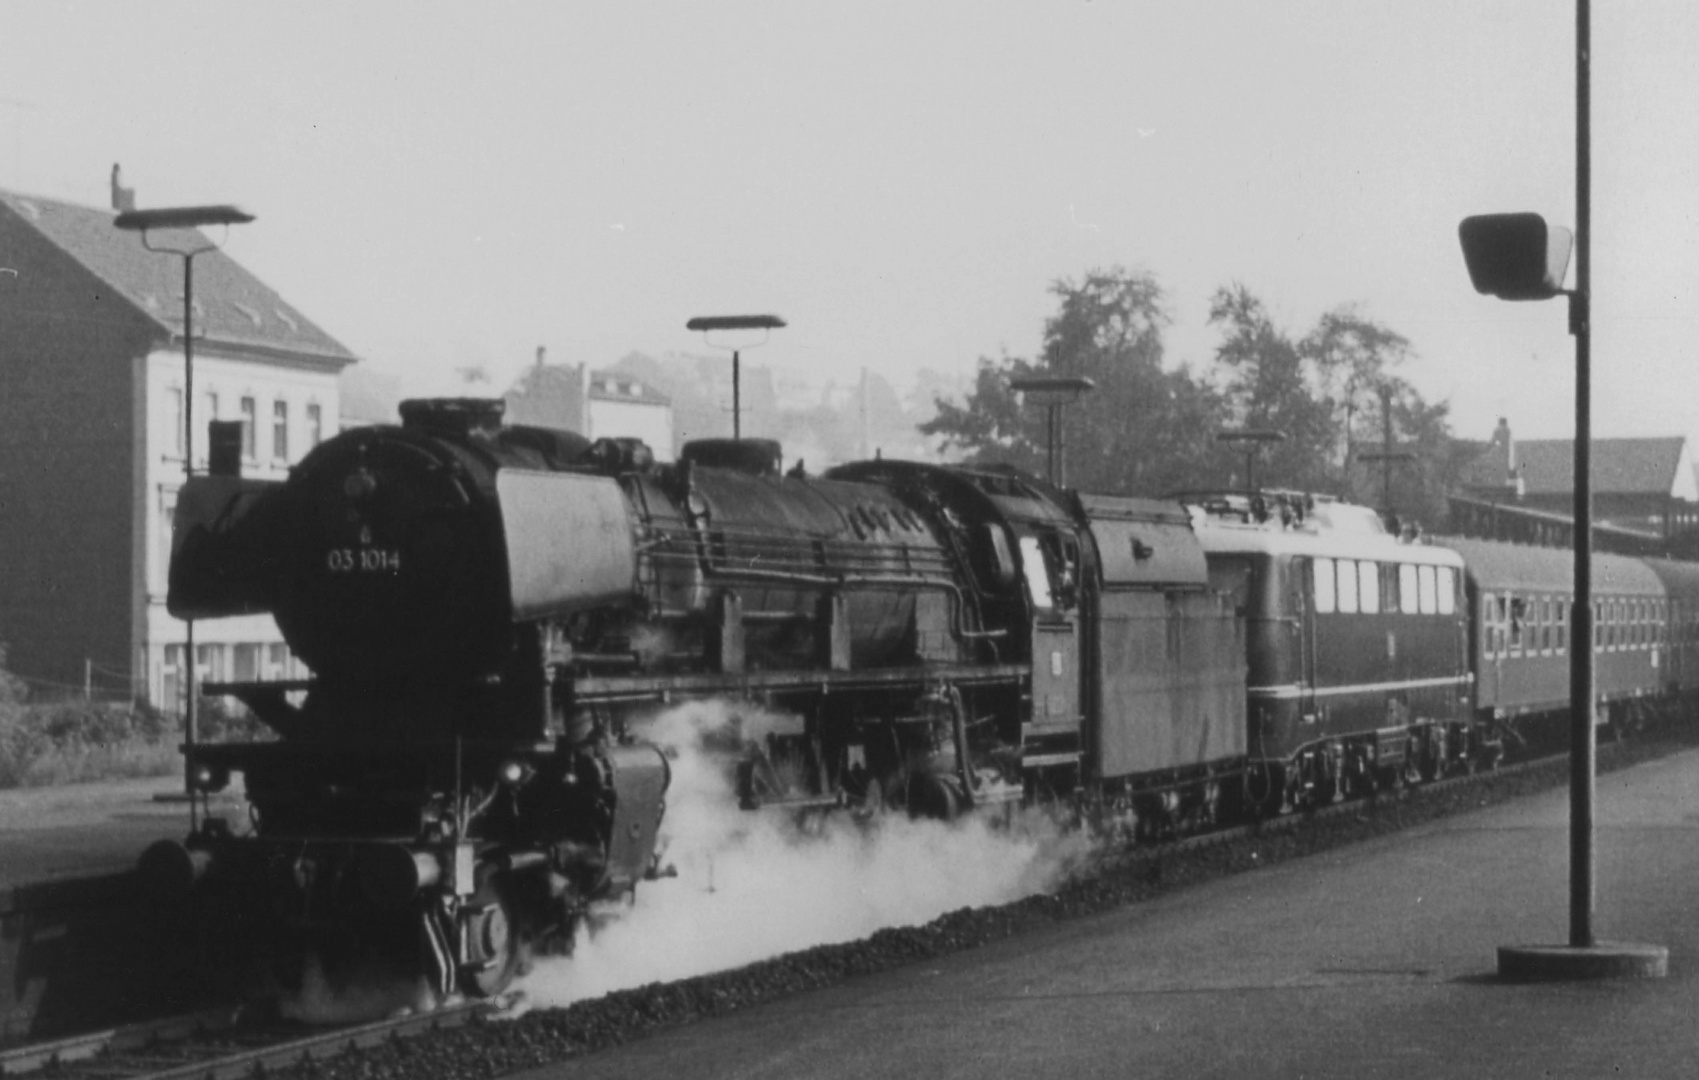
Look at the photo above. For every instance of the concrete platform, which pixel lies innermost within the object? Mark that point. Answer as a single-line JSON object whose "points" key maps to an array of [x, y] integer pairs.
{"points": [[84, 830], [79, 948], [1377, 961]]}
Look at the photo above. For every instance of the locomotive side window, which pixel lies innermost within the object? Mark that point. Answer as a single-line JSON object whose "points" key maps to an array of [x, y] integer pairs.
{"points": [[1347, 594], [1037, 574], [1368, 587], [1447, 591], [1427, 600], [1407, 601], [1323, 579], [1233, 578]]}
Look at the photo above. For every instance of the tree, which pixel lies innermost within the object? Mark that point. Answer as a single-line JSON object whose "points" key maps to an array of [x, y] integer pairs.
{"points": [[1145, 429], [1353, 357], [1333, 394], [1268, 388]]}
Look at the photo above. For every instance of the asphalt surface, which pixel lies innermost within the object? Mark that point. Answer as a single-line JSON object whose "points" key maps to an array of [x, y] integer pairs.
{"points": [[85, 830], [1375, 961]]}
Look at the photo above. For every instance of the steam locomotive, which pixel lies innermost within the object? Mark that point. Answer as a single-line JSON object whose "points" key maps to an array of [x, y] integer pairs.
{"points": [[492, 613]]}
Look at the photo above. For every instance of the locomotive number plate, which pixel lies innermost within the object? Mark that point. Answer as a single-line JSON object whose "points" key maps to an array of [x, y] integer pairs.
{"points": [[366, 560]]}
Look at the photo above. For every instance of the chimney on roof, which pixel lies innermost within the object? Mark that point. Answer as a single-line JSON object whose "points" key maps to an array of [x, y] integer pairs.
{"points": [[1504, 445], [123, 198], [541, 351]]}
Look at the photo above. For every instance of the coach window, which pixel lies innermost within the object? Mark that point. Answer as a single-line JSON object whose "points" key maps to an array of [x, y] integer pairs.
{"points": [[1368, 587], [1518, 617], [1407, 602], [1322, 575], [1037, 575], [1447, 591], [1347, 594]]}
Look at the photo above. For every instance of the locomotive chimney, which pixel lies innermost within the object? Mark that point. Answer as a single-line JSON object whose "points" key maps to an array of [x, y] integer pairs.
{"points": [[541, 353]]}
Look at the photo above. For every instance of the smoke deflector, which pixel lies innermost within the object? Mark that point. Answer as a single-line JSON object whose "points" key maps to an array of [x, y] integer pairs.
{"points": [[569, 541]]}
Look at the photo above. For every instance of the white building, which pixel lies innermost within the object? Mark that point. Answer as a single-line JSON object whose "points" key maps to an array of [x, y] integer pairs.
{"points": [[92, 442]]}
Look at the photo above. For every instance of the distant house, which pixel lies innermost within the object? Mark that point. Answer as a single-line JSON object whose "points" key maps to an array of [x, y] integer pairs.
{"points": [[596, 404], [1645, 484], [92, 443]]}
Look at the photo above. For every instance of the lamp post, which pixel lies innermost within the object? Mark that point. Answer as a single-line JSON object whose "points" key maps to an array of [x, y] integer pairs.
{"points": [[1053, 392], [1253, 440], [1518, 257], [1386, 455], [708, 323], [183, 223]]}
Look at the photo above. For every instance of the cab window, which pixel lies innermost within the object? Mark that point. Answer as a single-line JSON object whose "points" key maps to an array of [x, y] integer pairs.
{"points": [[1037, 573], [1322, 576]]}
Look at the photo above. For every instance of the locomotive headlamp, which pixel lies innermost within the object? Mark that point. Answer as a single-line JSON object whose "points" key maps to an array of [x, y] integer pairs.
{"points": [[209, 778], [359, 485], [513, 772]]}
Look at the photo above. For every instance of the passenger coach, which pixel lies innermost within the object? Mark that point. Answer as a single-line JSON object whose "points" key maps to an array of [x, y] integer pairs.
{"points": [[1520, 598]]}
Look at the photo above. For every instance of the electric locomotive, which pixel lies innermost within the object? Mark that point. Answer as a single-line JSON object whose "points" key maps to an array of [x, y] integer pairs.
{"points": [[1357, 645], [492, 612]]}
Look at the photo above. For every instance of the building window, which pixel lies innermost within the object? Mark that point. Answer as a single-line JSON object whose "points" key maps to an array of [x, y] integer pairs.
{"points": [[249, 437], [280, 430], [171, 680], [246, 663], [209, 664], [211, 401], [176, 437], [315, 425], [162, 559]]}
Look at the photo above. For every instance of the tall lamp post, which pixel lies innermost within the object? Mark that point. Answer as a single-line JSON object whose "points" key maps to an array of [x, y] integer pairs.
{"points": [[709, 323], [1518, 257], [1053, 392], [1253, 440], [181, 226], [1386, 455]]}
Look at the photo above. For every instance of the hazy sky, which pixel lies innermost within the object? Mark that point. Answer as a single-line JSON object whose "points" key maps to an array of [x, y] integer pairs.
{"points": [[442, 184]]}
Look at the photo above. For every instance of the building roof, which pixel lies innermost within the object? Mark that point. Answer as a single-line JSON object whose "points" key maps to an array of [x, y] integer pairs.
{"points": [[231, 306], [1649, 466]]}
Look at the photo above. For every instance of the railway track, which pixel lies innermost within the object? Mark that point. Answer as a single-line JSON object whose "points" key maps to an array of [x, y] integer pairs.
{"points": [[217, 1044]]}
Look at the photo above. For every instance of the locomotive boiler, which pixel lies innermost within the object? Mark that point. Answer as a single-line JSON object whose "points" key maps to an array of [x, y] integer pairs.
{"points": [[491, 613]]}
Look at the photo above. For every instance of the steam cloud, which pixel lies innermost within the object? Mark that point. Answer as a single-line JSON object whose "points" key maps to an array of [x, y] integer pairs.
{"points": [[753, 885]]}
